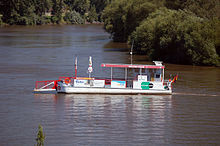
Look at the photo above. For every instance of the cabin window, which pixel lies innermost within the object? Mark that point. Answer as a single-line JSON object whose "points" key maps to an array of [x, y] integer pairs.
{"points": [[157, 75], [136, 70]]}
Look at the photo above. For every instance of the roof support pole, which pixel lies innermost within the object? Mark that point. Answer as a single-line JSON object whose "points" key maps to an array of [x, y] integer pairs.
{"points": [[111, 73], [140, 71], [126, 73], [163, 74]]}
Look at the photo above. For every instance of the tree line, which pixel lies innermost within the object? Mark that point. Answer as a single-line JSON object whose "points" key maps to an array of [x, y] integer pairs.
{"points": [[37, 12], [175, 31]]}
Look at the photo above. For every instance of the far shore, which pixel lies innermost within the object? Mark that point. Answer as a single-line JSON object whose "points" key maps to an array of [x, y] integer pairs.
{"points": [[62, 23]]}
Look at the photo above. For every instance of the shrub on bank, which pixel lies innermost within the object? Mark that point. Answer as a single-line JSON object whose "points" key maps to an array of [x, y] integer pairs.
{"points": [[23, 21], [32, 20], [92, 15], [73, 18], [1, 22]]}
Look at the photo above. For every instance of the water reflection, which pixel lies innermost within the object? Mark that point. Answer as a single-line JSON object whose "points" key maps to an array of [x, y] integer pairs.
{"points": [[107, 118]]}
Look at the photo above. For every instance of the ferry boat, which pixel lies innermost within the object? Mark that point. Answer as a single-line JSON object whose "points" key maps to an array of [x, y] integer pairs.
{"points": [[146, 79]]}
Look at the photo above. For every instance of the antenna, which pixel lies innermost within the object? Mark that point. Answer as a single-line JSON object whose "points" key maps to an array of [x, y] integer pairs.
{"points": [[132, 50], [75, 66]]}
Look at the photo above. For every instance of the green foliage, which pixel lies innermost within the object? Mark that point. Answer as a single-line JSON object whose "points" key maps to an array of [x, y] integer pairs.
{"points": [[92, 16], [55, 19], [205, 9], [23, 12], [23, 20], [175, 4], [16, 13], [39, 20], [113, 19], [41, 6], [215, 24], [57, 9], [80, 6], [202, 8], [177, 37], [46, 19], [73, 18], [123, 16], [33, 12], [1, 22], [99, 5], [40, 136]]}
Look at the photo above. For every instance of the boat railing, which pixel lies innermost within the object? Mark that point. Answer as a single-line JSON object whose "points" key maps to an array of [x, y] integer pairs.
{"points": [[63, 78], [107, 80], [87, 78], [49, 84], [167, 83]]}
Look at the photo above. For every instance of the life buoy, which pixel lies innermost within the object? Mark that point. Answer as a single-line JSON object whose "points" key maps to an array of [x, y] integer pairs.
{"points": [[67, 80], [151, 85]]}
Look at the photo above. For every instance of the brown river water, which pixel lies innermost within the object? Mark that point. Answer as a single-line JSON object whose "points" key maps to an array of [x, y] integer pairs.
{"points": [[191, 116]]}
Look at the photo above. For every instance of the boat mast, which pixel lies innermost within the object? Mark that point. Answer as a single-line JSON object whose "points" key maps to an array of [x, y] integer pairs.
{"points": [[75, 66], [132, 50], [131, 53]]}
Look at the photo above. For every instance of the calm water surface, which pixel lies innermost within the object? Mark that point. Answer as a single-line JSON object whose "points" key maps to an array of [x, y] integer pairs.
{"points": [[191, 116]]}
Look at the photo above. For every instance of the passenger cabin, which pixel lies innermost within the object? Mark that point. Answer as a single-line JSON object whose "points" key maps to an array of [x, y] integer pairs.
{"points": [[141, 76]]}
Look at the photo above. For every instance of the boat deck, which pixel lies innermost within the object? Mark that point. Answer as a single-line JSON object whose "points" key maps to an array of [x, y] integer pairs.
{"points": [[75, 90]]}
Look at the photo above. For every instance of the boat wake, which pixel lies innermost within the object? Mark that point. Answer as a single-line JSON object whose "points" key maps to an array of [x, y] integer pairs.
{"points": [[195, 94]]}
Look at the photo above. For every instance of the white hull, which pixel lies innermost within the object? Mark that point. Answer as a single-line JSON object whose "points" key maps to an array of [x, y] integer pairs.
{"points": [[83, 90]]}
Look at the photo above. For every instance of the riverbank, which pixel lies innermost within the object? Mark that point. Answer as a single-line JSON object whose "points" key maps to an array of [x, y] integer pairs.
{"points": [[144, 55], [49, 20], [53, 24]]}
